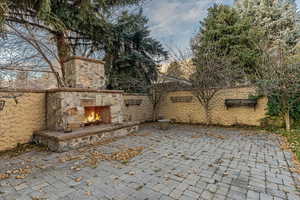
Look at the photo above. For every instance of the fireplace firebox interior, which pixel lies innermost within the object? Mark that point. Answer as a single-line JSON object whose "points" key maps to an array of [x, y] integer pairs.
{"points": [[95, 115]]}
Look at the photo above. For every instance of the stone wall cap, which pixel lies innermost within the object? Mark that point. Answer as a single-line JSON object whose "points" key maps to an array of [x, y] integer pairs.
{"points": [[136, 94], [85, 59], [22, 90], [82, 90], [221, 88]]}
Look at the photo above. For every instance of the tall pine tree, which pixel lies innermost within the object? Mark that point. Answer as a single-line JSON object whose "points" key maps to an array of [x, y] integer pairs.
{"points": [[232, 37], [277, 19]]}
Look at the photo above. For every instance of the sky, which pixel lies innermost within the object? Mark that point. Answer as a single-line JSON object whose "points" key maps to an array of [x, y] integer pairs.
{"points": [[175, 22]]}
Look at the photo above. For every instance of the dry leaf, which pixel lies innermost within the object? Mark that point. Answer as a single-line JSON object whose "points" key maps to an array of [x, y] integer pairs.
{"points": [[4, 176], [131, 173], [20, 177], [78, 179], [88, 193], [196, 136]]}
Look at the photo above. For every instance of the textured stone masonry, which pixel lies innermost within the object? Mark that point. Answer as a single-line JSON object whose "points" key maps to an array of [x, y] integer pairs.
{"points": [[85, 73], [68, 107]]}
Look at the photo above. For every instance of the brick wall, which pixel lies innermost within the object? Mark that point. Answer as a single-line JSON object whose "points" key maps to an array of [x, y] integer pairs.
{"points": [[18, 121], [142, 112], [193, 112]]}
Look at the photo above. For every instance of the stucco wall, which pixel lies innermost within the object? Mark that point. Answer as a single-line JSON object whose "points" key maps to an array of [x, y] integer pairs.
{"points": [[193, 112], [18, 121], [142, 112]]}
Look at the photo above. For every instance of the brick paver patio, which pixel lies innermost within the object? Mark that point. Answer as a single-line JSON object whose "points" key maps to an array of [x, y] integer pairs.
{"points": [[185, 162]]}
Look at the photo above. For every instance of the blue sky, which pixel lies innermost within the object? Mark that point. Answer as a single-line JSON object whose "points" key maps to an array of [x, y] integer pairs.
{"points": [[174, 22]]}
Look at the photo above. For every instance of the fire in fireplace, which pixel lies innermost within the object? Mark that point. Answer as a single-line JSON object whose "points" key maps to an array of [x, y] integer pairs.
{"points": [[95, 115]]}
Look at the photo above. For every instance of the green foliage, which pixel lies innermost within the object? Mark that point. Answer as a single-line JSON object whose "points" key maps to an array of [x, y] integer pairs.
{"points": [[131, 62], [230, 36], [86, 20], [275, 108], [278, 21], [255, 97], [91, 29]]}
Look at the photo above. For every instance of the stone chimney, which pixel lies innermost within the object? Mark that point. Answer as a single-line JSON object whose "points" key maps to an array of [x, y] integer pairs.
{"points": [[86, 73], [21, 80]]}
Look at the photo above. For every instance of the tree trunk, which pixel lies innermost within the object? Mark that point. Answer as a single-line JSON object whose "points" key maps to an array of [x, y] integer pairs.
{"points": [[63, 50], [287, 121], [207, 114], [155, 113]]}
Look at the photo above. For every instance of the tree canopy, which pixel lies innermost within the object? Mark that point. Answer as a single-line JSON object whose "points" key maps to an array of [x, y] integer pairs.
{"points": [[89, 28], [71, 24], [132, 60], [278, 21], [230, 36]]}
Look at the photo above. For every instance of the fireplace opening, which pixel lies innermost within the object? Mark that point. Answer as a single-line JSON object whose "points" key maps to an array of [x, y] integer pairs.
{"points": [[96, 115]]}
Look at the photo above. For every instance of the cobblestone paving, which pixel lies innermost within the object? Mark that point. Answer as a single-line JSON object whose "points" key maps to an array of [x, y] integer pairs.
{"points": [[185, 162]]}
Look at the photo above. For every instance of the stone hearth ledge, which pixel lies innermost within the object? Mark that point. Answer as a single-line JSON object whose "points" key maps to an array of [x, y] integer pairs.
{"points": [[59, 141]]}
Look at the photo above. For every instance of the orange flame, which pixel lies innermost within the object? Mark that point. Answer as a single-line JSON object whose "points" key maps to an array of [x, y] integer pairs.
{"points": [[92, 117]]}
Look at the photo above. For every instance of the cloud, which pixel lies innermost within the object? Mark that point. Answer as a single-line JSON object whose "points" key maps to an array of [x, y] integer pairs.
{"points": [[176, 21]]}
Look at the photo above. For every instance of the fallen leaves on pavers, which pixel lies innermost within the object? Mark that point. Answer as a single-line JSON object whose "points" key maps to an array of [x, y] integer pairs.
{"points": [[217, 136], [23, 148], [131, 173], [75, 168], [19, 173], [78, 179], [225, 174], [180, 175], [140, 134], [295, 169], [218, 161], [20, 176], [89, 182], [88, 194], [285, 145], [70, 157], [197, 136], [122, 156], [4, 176], [250, 133], [127, 154]]}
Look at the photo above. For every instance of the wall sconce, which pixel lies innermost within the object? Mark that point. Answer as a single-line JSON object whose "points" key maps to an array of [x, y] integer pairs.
{"points": [[2, 104]]}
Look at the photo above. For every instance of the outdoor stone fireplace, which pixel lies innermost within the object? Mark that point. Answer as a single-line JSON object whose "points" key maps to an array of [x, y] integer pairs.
{"points": [[70, 108], [83, 113]]}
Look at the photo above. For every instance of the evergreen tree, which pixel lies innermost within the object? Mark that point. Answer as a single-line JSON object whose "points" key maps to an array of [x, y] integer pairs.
{"points": [[278, 73], [133, 56], [230, 36], [72, 24], [277, 19]]}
